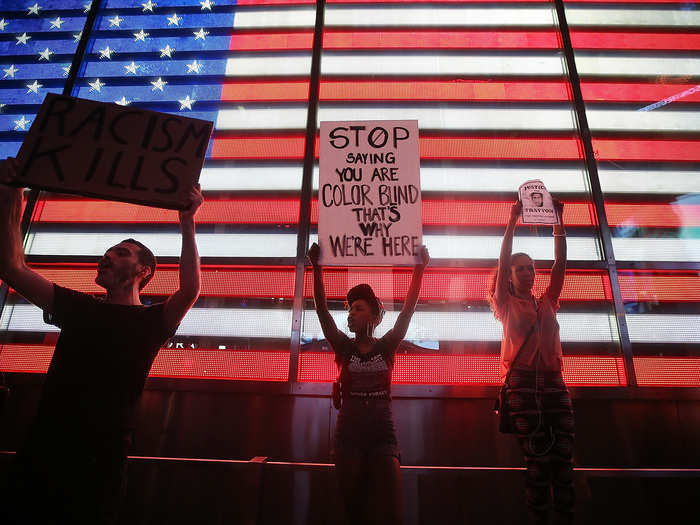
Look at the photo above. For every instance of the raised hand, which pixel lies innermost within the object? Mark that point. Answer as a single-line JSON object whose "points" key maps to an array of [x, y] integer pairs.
{"points": [[515, 211], [559, 207], [424, 256], [313, 254], [195, 199]]}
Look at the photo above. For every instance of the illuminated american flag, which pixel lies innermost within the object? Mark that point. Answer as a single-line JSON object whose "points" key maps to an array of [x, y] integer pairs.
{"points": [[488, 85]]}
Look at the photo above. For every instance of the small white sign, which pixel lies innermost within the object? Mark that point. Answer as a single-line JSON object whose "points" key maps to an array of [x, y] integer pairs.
{"points": [[538, 207], [369, 198]]}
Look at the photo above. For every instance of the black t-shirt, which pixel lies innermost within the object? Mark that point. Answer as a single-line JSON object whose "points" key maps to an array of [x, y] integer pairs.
{"points": [[99, 367], [366, 374]]}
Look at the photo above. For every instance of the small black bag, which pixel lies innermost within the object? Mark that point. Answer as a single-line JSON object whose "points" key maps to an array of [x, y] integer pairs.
{"points": [[501, 406]]}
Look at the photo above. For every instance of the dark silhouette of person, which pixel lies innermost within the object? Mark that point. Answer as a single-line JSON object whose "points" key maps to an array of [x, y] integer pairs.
{"points": [[365, 447], [531, 362], [71, 468]]}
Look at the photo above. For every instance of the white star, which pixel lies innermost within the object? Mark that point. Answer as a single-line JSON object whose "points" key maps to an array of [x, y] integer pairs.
{"points": [[131, 68], [86, 7], [106, 53], [174, 19], [66, 70], [122, 101], [22, 39], [21, 124], [186, 103], [200, 34], [2, 106], [194, 67], [206, 4], [96, 85], [77, 36], [57, 22], [10, 71], [45, 54], [149, 6], [34, 87], [115, 21], [34, 9], [158, 84], [167, 51], [3, 24], [140, 36]]}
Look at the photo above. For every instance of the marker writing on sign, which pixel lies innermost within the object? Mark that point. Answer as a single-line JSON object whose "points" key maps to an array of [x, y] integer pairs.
{"points": [[158, 133]]}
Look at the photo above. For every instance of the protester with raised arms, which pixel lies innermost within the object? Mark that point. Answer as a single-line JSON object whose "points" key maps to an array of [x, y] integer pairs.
{"points": [[365, 448], [531, 363], [71, 468]]}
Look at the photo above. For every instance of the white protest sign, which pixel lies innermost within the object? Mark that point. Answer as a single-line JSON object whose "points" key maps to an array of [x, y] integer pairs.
{"points": [[369, 200], [537, 203]]}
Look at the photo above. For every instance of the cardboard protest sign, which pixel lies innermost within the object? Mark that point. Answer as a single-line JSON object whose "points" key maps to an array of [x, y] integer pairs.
{"points": [[369, 197], [112, 152], [537, 203]]}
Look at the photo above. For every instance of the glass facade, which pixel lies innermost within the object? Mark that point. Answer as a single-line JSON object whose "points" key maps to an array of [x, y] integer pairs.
{"points": [[497, 104]]}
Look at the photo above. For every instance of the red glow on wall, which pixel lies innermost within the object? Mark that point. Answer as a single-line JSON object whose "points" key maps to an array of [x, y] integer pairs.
{"points": [[668, 371], [453, 284], [436, 39], [455, 90], [239, 365], [467, 369], [292, 91]]}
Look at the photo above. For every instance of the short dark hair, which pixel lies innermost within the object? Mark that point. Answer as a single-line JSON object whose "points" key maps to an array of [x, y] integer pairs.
{"points": [[364, 291], [146, 258]]}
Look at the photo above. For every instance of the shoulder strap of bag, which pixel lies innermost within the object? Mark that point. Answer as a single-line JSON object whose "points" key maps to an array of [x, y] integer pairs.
{"points": [[512, 364]]}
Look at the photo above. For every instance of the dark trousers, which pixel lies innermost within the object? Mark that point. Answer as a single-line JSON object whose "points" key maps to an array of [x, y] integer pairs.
{"points": [[57, 486], [540, 406]]}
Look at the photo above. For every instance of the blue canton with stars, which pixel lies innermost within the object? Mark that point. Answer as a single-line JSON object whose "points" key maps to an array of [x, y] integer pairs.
{"points": [[167, 56]]}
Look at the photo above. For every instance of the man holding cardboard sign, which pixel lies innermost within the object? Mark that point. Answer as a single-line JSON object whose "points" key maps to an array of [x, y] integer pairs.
{"points": [[74, 458]]}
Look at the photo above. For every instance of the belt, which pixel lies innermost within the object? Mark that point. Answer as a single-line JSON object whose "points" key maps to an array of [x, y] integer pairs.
{"points": [[366, 395]]}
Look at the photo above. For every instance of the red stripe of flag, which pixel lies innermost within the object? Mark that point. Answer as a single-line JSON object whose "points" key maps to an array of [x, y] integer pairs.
{"points": [[666, 150], [435, 39], [285, 210], [637, 92], [289, 41], [667, 371], [646, 286], [632, 40], [454, 90], [292, 91], [452, 285], [468, 369], [184, 363]]}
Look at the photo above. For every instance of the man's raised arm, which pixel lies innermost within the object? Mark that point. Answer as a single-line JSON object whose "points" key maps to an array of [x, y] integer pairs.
{"points": [[13, 269], [182, 300]]}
